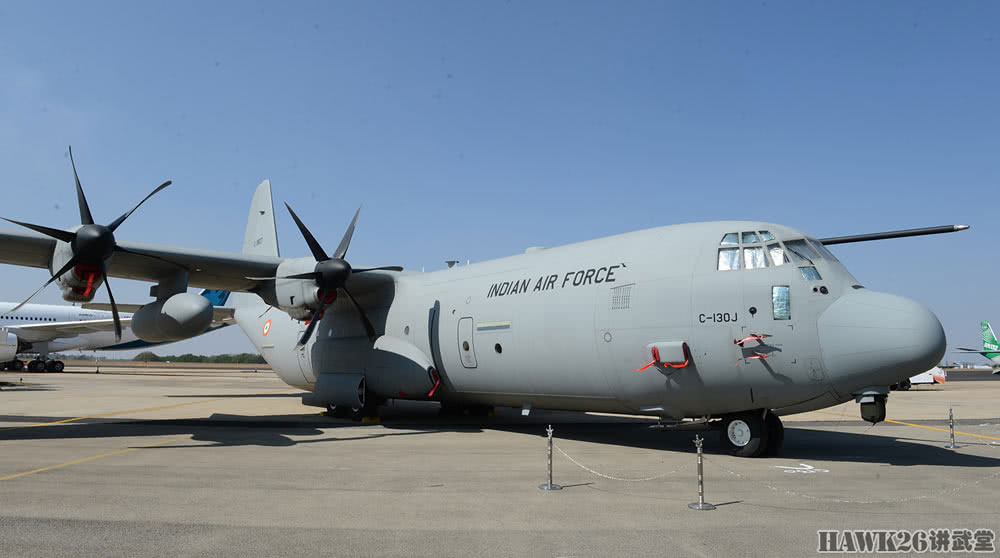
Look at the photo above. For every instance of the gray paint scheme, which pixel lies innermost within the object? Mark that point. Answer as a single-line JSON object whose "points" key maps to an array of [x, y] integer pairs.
{"points": [[573, 347]]}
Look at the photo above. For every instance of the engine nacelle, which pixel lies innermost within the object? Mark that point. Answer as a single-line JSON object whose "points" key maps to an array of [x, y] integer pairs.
{"points": [[8, 345], [181, 316], [298, 297], [78, 284]]}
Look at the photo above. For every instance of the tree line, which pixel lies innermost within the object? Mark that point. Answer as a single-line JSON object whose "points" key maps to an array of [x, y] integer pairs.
{"points": [[241, 358]]}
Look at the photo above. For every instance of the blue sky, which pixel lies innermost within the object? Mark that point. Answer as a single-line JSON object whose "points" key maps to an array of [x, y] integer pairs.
{"points": [[471, 130]]}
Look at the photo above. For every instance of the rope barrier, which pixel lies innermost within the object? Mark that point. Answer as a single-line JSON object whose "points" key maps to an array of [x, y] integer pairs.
{"points": [[609, 477]]}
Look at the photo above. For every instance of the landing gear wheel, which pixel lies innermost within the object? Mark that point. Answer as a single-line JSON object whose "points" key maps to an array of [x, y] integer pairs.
{"points": [[775, 434], [368, 412], [17, 365], [340, 412], [54, 366], [744, 434], [36, 366]]}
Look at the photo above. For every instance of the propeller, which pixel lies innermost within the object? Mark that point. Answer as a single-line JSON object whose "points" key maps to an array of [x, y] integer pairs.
{"points": [[332, 273], [92, 245]]}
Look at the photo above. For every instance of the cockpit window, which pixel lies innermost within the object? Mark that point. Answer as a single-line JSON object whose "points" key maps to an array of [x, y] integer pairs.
{"points": [[809, 273], [753, 257], [729, 259], [766, 236], [800, 251], [823, 250], [777, 254], [730, 239], [750, 237]]}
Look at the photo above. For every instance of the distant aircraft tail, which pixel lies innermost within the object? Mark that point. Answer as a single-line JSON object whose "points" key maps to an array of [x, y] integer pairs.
{"points": [[217, 298], [991, 347]]}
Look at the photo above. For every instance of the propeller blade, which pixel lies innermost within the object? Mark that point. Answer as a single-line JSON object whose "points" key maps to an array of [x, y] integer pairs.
{"points": [[57, 234], [151, 256], [117, 222], [114, 307], [69, 265], [346, 241], [383, 268], [312, 321], [369, 328], [310, 275], [314, 246], [85, 217]]}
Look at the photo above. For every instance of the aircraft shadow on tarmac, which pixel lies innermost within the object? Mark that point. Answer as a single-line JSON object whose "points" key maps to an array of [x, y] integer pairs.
{"points": [[894, 445]]}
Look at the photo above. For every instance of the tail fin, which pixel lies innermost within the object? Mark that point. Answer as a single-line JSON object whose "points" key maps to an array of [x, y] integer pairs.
{"points": [[261, 237], [217, 298], [989, 340]]}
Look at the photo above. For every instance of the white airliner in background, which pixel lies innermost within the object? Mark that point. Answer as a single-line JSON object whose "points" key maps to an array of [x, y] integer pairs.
{"points": [[40, 329]]}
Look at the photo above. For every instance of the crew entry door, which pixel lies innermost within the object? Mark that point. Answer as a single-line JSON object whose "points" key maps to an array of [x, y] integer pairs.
{"points": [[466, 346]]}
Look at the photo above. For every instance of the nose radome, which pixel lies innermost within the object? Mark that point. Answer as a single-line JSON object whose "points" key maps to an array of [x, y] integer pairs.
{"points": [[877, 339]]}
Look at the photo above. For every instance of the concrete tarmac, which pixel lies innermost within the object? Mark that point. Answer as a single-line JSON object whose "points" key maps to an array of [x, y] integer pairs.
{"points": [[208, 463]]}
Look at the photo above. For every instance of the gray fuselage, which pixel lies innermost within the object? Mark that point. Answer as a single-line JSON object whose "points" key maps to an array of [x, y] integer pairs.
{"points": [[567, 327]]}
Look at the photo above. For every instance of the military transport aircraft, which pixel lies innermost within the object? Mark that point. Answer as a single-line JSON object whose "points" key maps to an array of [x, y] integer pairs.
{"points": [[732, 322]]}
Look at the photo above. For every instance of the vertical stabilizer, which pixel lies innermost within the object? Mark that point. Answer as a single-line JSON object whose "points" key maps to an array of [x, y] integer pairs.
{"points": [[261, 237], [990, 345]]}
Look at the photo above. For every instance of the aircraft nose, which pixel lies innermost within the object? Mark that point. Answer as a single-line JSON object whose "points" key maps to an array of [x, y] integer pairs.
{"points": [[877, 339]]}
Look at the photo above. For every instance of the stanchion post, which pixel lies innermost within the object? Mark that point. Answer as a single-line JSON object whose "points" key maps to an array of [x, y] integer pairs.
{"points": [[549, 485], [951, 429], [700, 505]]}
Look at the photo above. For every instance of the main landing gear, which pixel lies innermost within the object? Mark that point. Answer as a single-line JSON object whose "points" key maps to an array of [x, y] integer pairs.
{"points": [[752, 434], [15, 365], [45, 366], [366, 413]]}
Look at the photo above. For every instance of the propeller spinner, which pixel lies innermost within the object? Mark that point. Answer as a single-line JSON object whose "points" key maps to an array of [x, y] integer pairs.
{"points": [[332, 273], [91, 244]]}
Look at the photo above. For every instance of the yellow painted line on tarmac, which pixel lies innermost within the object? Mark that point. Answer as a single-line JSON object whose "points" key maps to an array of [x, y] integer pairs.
{"points": [[110, 414], [924, 426], [93, 458], [941, 429]]}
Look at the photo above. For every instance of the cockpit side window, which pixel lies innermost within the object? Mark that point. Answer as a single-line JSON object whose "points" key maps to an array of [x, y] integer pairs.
{"points": [[730, 239], [809, 273], [781, 302], [823, 250], [800, 251], [729, 259], [766, 236]]}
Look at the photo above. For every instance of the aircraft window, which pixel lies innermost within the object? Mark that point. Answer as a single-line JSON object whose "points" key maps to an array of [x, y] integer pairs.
{"points": [[766, 236], [800, 251], [809, 273], [754, 258], [750, 238], [778, 255], [729, 259], [781, 303], [823, 250], [730, 239]]}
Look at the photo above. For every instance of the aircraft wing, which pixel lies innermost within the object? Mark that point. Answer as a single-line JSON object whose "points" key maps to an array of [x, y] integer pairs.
{"points": [[976, 351], [220, 315], [207, 269], [36, 333]]}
